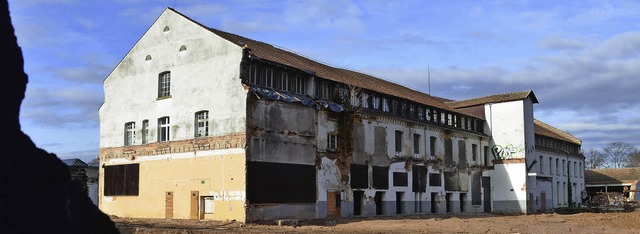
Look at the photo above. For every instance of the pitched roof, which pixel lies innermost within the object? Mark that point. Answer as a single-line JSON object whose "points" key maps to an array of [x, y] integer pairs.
{"points": [[612, 175], [74, 162], [271, 53], [544, 129], [506, 97]]}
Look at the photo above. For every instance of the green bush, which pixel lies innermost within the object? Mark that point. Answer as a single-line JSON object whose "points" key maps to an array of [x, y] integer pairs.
{"points": [[572, 210]]}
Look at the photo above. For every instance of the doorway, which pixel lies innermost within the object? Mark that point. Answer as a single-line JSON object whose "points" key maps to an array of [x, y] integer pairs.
{"points": [[434, 203], [447, 200], [378, 200], [333, 204], [357, 202], [486, 189], [399, 208]]}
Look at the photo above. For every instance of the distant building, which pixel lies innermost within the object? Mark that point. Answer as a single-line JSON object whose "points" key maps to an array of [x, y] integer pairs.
{"points": [[84, 176], [198, 123], [619, 180]]}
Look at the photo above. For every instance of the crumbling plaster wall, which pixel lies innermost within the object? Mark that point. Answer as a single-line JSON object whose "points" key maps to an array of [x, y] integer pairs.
{"points": [[205, 76]]}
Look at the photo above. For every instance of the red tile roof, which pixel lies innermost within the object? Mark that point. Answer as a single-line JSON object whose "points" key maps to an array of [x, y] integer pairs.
{"points": [[612, 175], [547, 130], [506, 97], [271, 53]]}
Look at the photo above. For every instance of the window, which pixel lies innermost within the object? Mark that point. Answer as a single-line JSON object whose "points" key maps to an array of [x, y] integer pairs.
{"points": [[253, 74], [298, 85], [400, 179], [420, 114], [541, 165], [332, 141], [164, 84], [435, 180], [129, 133], [432, 145], [145, 131], [163, 129], [474, 152], [121, 180], [486, 156], [416, 144], [575, 169], [398, 143], [324, 91], [202, 123], [376, 102], [385, 105], [564, 167], [365, 100], [268, 78], [558, 166], [427, 114], [284, 81], [550, 161]]}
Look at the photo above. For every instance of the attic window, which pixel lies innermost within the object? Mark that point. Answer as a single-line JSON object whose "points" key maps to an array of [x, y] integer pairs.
{"points": [[166, 29], [183, 48], [147, 58]]}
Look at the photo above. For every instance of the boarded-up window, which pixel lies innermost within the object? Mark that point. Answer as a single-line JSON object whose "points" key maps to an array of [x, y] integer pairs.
{"points": [[359, 176], [476, 197], [462, 155], [400, 179], [280, 183], [432, 145], [448, 152], [419, 175], [451, 181], [380, 177], [121, 180], [435, 180]]}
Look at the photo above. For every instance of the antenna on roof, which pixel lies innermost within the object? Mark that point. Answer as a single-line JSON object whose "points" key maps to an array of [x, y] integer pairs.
{"points": [[429, 76]]}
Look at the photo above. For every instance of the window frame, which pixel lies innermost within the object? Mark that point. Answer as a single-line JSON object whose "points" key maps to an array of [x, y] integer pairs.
{"points": [[164, 129], [201, 124], [164, 84], [129, 133]]}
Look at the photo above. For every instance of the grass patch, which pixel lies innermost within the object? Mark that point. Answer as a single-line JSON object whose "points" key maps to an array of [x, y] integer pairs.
{"points": [[572, 210]]}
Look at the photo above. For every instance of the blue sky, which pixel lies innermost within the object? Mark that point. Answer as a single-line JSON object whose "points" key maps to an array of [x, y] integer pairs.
{"points": [[581, 58]]}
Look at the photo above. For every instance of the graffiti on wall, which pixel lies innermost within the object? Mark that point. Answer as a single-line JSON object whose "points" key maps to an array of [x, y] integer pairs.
{"points": [[505, 152]]}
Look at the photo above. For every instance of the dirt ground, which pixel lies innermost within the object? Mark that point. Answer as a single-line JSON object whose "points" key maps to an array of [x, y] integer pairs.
{"points": [[614, 222]]}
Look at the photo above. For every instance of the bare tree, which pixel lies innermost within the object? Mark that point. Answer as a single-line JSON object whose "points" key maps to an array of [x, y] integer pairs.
{"points": [[618, 153], [594, 159], [634, 159]]}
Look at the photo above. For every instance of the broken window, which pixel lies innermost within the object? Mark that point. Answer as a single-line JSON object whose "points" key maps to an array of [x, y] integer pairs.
{"points": [[398, 142], [164, 84], [129, 133], [324, 90], [202, 123], [284, 81], [268, 78], [365, 100], [395, 108], [298, 84], [121, 180], [253, 74], [380, 177], [359, 176], [163, 129], [385, 105], [400, 179], [332, 141], [145, 131], [376, 102], [420, 114], [435, 180], [427, 114]]}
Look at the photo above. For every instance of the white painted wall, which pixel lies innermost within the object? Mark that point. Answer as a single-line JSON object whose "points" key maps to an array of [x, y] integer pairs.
{"points": [[205, 76]]}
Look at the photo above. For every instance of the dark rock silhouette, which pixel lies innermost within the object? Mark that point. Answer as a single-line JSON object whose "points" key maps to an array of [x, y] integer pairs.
{"points": [[36, 191]]}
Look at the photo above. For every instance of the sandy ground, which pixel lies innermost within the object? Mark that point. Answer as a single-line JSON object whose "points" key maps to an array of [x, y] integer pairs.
{"points": [[617, 222]]}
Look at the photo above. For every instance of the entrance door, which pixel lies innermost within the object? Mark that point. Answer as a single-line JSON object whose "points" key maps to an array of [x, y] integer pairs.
{"points": [[447, 199], [357, 202], [378, 201], [194, 204], [168, 205], [543, 201], [486, 188], [434, 203], [333, 204], [399, 202], [463, 200]]}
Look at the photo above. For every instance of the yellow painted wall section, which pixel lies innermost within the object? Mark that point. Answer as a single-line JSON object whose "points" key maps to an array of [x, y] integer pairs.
{"points": [[219, 176]]}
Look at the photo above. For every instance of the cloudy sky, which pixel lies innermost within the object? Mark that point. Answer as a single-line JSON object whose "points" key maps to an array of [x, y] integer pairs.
{"points": [[581, 58]]}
